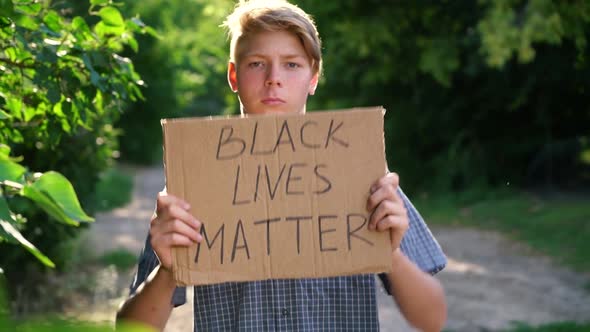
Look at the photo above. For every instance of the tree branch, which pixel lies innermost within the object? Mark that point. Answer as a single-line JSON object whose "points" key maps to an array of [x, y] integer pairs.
{"points": [[20, 65]]}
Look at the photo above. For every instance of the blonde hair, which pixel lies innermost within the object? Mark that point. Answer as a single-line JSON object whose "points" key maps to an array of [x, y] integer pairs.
{"points": [[254, 16]]}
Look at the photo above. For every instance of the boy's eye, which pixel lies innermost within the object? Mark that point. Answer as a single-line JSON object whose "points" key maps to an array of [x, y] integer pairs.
{"points": [[255, 64], [293, 65]]}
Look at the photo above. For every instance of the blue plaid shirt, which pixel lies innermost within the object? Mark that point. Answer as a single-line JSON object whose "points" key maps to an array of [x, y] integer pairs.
{"points": [[345, 303]]}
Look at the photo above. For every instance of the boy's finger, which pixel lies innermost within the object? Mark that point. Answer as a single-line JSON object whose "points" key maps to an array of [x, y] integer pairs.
{"points": [[182, 228], [387, 192], [384, 209], [387, 179], [165, 200], [176, 239], [392, 222], [176, 212]]}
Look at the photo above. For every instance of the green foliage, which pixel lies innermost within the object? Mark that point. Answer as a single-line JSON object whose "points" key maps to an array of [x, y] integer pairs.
{"points": [[464, 111], [54, 323], [463, 82], [553, 327], [63, 85], [64, 81], [184, 71], [114, 189], [59, 76], [122, 259], [55, 194], [557, 225], [50, 191], [511, 27], [65, 325]]}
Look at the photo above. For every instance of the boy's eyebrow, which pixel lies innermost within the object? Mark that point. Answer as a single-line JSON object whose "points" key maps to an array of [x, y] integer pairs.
{"points": [[260, 55]]}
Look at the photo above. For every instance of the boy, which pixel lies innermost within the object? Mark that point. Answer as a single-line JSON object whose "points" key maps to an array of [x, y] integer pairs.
{"points": [[275, 63]]}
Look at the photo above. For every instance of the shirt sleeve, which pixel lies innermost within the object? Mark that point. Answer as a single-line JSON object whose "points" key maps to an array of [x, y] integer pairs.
{"points": [[418, 244], [148, 261]]}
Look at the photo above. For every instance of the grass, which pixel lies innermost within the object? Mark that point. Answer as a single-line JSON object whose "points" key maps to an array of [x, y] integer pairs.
{"points": [[553, 327], [122, 259], [557, 225], [114, 189], [50, 324]]}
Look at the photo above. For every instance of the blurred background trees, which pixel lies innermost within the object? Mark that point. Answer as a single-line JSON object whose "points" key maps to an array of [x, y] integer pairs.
{"points": [[185, 71], [480, 95]]}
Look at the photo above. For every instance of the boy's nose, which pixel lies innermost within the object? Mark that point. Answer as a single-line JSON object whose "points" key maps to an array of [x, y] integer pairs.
{"points": [[273, 77], [270, 82]]}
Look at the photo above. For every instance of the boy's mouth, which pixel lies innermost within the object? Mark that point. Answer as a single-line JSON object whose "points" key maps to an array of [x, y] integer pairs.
{"points": [[272, 101]]}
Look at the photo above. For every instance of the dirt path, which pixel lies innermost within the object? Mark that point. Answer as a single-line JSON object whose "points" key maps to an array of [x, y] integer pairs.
{"points": [[490, 281]]}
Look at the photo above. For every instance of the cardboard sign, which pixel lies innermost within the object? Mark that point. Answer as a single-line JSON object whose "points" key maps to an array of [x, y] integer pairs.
{"points": [[279, 196]]}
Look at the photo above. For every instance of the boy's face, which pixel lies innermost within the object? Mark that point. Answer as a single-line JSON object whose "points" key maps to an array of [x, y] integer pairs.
{"points": [[273, 73]]}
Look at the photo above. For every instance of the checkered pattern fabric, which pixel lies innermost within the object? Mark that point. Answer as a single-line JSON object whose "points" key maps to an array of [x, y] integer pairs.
{"points": [[345, 303]]}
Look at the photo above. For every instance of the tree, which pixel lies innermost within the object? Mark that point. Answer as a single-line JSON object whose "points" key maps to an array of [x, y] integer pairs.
{"points": [[478, 93], [184, 70], [62, 86]]}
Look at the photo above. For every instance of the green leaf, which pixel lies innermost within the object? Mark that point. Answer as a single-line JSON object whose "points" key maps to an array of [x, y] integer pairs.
{"points": [[16, 54], [4, 152], [29, 9], [9, 170], [96, 80], [11, 53], [5, 21], [44, 202], [53, 21], [18, 237], [7, 217], [14, 106], [28, 22], [4, 115], [111, 17], [152, 32], [29, 113], [97, 101], [99, 2], [11, 234], [133, 44], [61, 191], [87, 62], [57, 110], [102, 29], [6, 8], [81, 29], [79, 23]]}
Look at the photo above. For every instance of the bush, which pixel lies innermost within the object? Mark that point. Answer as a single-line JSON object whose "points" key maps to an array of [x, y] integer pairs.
{"points": [[114, 189], [63, 85], [119, 258]]}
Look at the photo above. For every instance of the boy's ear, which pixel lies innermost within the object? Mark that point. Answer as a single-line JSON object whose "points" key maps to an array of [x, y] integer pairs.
{"points": [[232, 76], [313, 84]]}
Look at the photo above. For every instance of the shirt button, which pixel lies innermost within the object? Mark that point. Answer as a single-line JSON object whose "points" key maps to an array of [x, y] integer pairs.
{"points": [[285, 312]]}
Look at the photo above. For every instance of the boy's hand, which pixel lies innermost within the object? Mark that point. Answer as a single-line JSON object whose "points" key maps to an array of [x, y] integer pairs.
{"points": [[172, 225], [387, 209]]}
